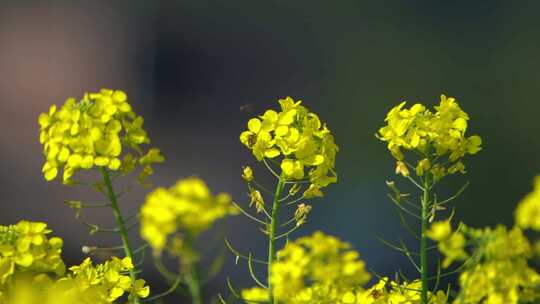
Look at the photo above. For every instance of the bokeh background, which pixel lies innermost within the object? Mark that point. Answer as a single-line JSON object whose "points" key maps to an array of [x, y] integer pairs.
{"points": [[189, 66]]}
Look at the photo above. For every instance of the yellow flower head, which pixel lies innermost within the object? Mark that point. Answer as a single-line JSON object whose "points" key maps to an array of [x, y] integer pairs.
{"points": [[298, 136], [431, 134], [527, 214], [187, 207], [24, 247], [316, 260], [500, 272], [102, 283], [93, 132], [387, 291]]}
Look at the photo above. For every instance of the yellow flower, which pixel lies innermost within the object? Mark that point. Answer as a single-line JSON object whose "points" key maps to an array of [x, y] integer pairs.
{"points": [[25, 247], [433, 135], [305, 144], [247, 174], [255, 294], [317, 260], [102, 283], [387, 291], [188, 206], [92, 132], [527, 214], [439, 230]]}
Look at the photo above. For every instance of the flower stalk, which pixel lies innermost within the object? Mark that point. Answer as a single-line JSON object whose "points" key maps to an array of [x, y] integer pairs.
{"points": [[423, 240], [121, 225], [272, 234]]}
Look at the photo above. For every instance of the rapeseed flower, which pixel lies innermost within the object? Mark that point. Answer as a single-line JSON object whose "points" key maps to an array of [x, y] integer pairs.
{"points": [[186, 207], [312, 268], [24, 247], [295, 134], [527, 214], [94, 132], [496, 270], [433, 135]]}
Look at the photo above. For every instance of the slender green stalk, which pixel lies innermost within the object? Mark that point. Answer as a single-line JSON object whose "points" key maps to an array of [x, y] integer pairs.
{"points": [[192, 277], [272, 236], [121, 225], [423, 240], [194, 285]]}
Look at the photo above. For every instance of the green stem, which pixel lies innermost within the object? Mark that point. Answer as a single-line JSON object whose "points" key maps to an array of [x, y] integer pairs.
{"points": [[121, 226], [194, 285], [272, 236], [423, 241], [192, 275]]}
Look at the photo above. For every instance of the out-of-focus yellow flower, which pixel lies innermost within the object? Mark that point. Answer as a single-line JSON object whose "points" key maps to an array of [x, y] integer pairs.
{"points": [[497, 271], [527, 214], [313, 262], [439, 230], [432, 134], [103, 283], [187, 207], [297, 135], [24, 247], [93, 132], [255, 294], [85, 283]]}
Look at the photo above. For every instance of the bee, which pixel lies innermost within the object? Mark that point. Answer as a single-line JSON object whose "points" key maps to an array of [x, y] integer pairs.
{"points": [[376, 293], [248, 108], [251, 140]]}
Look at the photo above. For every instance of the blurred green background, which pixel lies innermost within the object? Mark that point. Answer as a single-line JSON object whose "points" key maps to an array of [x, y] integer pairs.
{"points": [[189, 66]]}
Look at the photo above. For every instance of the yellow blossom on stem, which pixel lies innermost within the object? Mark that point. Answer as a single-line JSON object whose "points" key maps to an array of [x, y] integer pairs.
{"points": [[433, 135], [295, 134], [93, 132], [527, 214], [315, 264], [188, 207], [25, 247]]}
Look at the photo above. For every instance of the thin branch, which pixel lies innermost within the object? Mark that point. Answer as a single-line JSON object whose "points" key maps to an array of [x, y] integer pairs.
{"points": [[392, 246], [415, 183], [252, 273], [408, 254], [295, 201], [453, 197], [248, 215], [406, 225], [403, 208], [261, 187], [165, 293], [287, 233], [238, 254], [270, 169]]}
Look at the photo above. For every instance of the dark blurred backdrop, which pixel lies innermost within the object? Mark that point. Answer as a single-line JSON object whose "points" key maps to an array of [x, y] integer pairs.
{"points": [[188, 67]]}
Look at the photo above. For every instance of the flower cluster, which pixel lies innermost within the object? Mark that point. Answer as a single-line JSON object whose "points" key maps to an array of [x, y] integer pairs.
{"points": [[527, 213], [94, 132], [432, 135], [386, 291], [102, 283], [495, 269], [312, 266], [86, 284], [299, 137], [24, 247], [188, 207]]}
